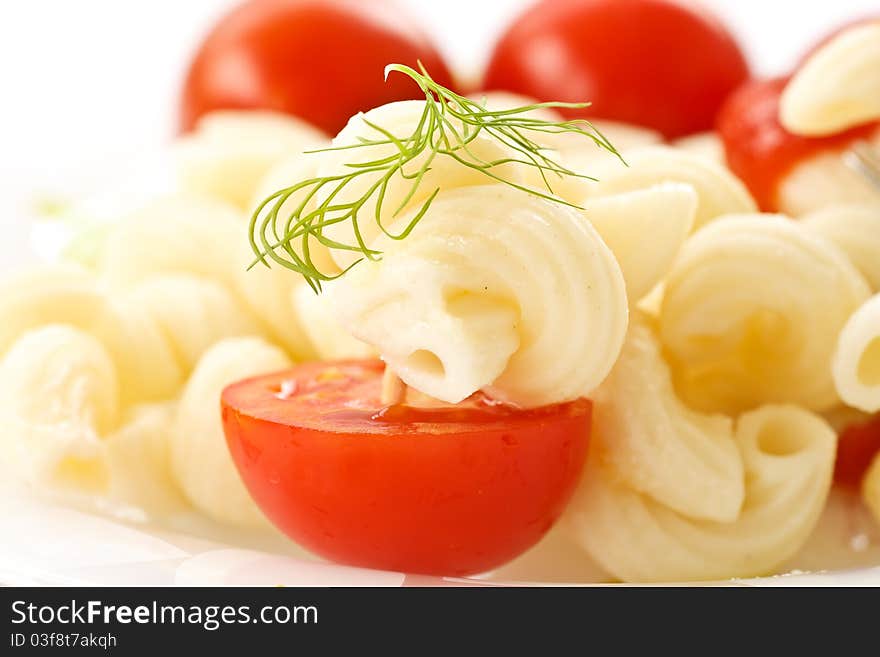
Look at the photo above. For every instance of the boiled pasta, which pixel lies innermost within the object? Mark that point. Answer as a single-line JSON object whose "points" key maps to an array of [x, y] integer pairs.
{"points": [[856, 364], [493, 290], [707, 145], [657, 446], [855, 228], [718, 190], [823, 181], [58, 396], [665, 211], [193, 313], [751, 313], [838, 87], [788, 458], [400, 119], [200, 460], [230, 151], [329, 340]]}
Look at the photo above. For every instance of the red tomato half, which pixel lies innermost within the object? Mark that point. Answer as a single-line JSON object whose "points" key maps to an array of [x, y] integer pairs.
{"points": [[759, 150], [451, 490], [856, 448], [656, 63], [322, 60]]}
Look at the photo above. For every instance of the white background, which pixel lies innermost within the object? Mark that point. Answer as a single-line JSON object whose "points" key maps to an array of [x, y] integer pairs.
{"points": [[89, 84]]}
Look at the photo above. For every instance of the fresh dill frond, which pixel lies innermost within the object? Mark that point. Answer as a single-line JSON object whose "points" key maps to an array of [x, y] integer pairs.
{"points": [[448, 125]]}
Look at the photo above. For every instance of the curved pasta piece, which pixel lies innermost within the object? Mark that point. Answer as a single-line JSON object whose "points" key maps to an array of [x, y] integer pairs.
{"points": [[200, 459], [139, 460], [707, 145], [838, 87], [788, 457], [329, 339], [719, 191], [665, 211], [494, 289], [821, 181], [685, 460], [180, 234], [856, 364], [193, 314], [400, 119], [751, 313], [871, 488], [58, 395], [855, 228], [231, 150], [292, 170], [66, 294]]}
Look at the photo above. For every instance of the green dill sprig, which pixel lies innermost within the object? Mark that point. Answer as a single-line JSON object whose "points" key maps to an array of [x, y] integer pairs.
{"points": [[446, 128]]}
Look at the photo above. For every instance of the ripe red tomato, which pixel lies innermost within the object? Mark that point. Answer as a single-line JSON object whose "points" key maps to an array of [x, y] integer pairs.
{"points": [[856, 448], [322, 60], [759, 150], [451, 490], [656, 63]]}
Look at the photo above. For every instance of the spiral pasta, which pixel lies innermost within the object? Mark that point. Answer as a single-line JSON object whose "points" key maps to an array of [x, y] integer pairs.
{"points": [[856, 364], [400, 119], [822, 181], [329, 340], [718, 190], [230, 151], [493, 289], [751, 313], [139, 460], [855, 228], [707, 145], [788, 459], [685, 460], [838, 87], [198, 236], [665, 211], [193, 314], [58, 396], [200, 460]]}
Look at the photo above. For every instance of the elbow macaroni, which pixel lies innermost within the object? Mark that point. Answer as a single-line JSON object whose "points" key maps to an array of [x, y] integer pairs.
{"points": [[751, 314], [856, 364], [838, 87], [788, 458], [855, 229], [493, 289], [400, 119], [719, 191], [230, 151], [657, 446], [665, 212], [200, 459]]}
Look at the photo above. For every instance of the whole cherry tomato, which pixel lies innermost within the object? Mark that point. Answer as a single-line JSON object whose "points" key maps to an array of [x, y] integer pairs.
{"points": [[322, 60], [656, 63]]}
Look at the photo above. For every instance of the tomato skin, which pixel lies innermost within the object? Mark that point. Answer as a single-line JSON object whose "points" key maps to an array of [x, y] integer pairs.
{"points": [[441, 498], [856, 448], [759, 150], [655, 63], [321, 60]]}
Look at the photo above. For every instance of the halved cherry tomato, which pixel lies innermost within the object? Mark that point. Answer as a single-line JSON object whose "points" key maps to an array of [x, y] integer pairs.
{"points": [[656, 63], [449, 490], [856, 448], [759, 150], [322, 60]]}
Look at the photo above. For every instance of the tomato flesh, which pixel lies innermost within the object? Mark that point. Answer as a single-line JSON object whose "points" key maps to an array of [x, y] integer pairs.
{"points": [[856, 448], [760, 151], [655, 63], [447, 490], [321, 60]]}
